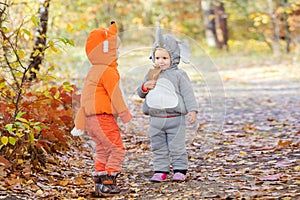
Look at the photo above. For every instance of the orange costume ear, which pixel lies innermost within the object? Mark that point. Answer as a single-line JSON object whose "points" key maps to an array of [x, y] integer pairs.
{"points": [[113, 30], [101, 46]]}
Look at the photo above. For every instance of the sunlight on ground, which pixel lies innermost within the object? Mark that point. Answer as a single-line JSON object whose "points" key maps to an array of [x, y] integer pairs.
{"points": [[263, 74]]}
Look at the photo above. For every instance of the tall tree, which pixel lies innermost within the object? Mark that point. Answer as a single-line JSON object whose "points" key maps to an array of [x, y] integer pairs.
{"points": [[38, 52], [221, 25], [276, 29], [286, 27], [209, 23], [215, 21]]}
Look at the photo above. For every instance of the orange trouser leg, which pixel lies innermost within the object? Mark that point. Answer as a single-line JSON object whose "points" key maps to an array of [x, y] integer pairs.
{"points": [[110, 151]]}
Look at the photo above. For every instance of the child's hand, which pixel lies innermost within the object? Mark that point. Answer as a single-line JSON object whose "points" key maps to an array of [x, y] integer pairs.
{"points": [[149, 85], [125, 116], [192, 117]]}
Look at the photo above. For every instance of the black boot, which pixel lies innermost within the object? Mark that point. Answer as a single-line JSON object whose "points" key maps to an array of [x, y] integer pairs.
{"points": [[101, 188], [114, 188]]}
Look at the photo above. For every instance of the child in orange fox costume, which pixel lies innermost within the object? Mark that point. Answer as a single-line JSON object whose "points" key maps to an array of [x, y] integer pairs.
{"points": [[101, 103]]}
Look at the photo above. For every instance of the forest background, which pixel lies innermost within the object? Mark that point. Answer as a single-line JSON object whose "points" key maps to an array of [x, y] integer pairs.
{"points": [[43, 66]]}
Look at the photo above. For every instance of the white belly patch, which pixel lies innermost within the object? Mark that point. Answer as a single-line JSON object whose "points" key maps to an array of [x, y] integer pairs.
{"points": [[163, 95]]}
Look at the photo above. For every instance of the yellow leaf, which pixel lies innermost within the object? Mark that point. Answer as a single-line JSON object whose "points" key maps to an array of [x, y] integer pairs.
{"points": [[56, 96], [252, 16], [19, 74], [19, 134], [39, 192], [69, 28], [280, 187], [256, 24], [20, 161], [4, 140], [54, 49], [242, 153], [297, 182], [287, 198], [29, 181], [280, 10], [2, 84], [51, 43], [13, 93], [35, 20], [297, 168], [36, 53], [20, 53]]}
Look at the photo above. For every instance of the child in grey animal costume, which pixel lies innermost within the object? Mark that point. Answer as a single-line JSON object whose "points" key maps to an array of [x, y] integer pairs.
{"points": [[169, 97]]}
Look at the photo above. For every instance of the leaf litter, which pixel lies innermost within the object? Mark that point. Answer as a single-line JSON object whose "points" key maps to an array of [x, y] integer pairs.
{"points": [[256, 156]]}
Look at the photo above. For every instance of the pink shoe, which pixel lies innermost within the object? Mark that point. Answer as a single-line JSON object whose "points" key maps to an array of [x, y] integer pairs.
{"points": [[159, 177], [179, 177]]}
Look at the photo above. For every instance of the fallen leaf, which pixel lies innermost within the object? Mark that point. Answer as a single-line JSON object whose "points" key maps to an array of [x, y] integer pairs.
{"points": [[279, 187], [79, 181], [250, 188], [283, 143], [283, 164], [2, 171], [39, 192], [12, 181], [286, 198], [297, 182], [274, 177], [64, 182], [242, 153], [4, 161]]}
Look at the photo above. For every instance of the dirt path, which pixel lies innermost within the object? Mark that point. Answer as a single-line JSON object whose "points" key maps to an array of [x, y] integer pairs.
{"points": [[255, 156]]}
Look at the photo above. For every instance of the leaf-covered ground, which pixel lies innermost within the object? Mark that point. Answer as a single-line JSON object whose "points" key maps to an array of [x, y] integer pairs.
{"points": [[255, 156]]}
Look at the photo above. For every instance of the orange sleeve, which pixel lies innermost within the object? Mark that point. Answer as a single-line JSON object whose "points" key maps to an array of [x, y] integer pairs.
{"points": [[110, 81]]}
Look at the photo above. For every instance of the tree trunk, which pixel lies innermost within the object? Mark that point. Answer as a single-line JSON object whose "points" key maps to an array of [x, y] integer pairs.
{"points": [[37, 54], [209, 23], [287, 27], [215, 20], [276, 29], [221, 25]]}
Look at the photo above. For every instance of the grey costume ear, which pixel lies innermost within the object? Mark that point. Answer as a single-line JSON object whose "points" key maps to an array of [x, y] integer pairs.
{"points": [[178, 49], [159, 42], [159, 39], [185, 51]]}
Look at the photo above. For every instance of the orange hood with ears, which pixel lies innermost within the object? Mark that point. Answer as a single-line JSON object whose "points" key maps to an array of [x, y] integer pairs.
{"points": [[101, 46], [101, 92]]}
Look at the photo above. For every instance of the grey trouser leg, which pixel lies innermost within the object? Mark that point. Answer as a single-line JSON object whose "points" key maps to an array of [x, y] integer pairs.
{"points": [[167, 137]]}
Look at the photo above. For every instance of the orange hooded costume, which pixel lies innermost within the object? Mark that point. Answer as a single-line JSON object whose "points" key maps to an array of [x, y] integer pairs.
{"points": [[102, 101]]}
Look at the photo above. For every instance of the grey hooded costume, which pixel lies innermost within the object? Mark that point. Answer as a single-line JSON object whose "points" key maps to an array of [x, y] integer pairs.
{"points": [[167, 104]]}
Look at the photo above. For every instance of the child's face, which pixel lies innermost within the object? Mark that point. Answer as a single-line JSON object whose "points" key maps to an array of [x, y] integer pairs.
{"points": [[162, 58]]}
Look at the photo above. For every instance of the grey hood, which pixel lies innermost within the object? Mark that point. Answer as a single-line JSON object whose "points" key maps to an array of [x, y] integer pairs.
{"points": [[178, 49]]}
